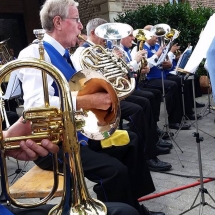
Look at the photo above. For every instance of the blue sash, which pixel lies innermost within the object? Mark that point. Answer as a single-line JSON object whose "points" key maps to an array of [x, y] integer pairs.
{"points": [[4, 211], [128, 57], [59, 61], [155, 72]]}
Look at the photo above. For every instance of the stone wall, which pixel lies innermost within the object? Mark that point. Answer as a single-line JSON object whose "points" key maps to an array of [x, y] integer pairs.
{"points": [[99, 8], [133, 4]]}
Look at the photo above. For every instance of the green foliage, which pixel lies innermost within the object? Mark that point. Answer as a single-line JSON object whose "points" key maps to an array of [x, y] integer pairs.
{"points": [[189, 21]]}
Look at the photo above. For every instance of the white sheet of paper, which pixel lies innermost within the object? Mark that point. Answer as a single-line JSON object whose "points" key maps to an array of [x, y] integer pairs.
{"points": [[202, 46], [13, 88]]}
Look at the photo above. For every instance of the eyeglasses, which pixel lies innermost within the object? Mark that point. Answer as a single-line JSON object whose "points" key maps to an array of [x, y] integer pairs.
{"points": [[78, 20]]}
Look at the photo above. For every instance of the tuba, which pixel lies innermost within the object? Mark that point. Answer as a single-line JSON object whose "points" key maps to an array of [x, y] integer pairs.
{"points": [[57, 125], [99, 59]]}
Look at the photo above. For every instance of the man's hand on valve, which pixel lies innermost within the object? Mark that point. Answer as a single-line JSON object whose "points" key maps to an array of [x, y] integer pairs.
{"points": [[139, 55], [145, 70], [167, 64]]}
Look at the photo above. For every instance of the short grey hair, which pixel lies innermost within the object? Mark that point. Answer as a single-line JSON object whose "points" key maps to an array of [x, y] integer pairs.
{"points": [[93, 24], [52, 8]]}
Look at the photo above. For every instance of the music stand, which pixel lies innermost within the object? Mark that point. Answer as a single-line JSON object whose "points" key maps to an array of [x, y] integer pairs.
{"points": [[198, 54], [182, 61], [202, 191], [166, 125], [14, 90]]}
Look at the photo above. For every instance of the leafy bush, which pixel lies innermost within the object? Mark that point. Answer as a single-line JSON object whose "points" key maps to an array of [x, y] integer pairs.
{"points": [[189, 21]]}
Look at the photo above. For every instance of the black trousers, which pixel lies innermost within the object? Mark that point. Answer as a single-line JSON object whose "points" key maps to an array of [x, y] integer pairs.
{"points": [[154, 96], [120, 173], [113, 208], [12, 118], [185, 87], [138, 111], [173, 99]]}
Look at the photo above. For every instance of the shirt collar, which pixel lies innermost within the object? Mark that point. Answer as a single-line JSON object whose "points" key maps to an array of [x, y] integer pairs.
{"points": [[146, 44], [54, 43]]}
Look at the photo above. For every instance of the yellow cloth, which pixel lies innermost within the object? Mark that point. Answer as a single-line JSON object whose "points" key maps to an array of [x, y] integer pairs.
{"points": [[118, 138]]}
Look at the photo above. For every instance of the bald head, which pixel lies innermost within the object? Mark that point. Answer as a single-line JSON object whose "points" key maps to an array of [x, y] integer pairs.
{"points": [[148, 27]]}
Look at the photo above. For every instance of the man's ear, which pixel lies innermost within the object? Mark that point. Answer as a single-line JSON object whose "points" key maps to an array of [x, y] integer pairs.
{"points": [[57, 22], [93, 32]]}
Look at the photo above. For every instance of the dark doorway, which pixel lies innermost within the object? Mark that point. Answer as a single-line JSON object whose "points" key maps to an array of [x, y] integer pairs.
{"points": [[12, 26]]}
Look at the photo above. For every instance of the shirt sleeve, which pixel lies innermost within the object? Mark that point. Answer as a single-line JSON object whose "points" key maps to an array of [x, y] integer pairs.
{"points": [[152, 60], [171, 56], [134, 63], [32, 85]]}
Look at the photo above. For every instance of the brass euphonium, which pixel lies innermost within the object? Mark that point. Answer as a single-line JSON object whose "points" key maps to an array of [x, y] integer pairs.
{"points": [[57, 125], [101, 60], [161, 30]]}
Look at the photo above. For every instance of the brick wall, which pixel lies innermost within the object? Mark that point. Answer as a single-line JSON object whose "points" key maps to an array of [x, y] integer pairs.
{"points": [[88, 11], [133, 4]]}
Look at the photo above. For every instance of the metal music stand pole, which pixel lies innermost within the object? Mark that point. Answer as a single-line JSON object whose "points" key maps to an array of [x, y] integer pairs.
{"points": [[166, 125], [202, 191], [184, 117]]}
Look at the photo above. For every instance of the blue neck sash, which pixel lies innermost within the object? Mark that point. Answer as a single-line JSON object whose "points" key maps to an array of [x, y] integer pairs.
{"points": [[60, 62], [4, 211]]}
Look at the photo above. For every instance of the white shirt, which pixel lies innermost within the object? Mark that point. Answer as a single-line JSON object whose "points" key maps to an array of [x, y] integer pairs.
{"points": [[75, 58], [171, 56], [32, 78], [132, 63]]}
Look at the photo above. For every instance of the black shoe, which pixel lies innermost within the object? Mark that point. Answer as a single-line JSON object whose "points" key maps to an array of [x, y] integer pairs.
{"points": [[163, 143], [162, 133], [177, 126], [145, 211], [192, 116], [162, 150], [199, 105], [157, 165]]}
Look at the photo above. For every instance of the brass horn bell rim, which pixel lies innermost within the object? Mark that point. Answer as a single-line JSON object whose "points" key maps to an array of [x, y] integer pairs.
{"points": [[160, 30], [113, 31], [142, 34]]}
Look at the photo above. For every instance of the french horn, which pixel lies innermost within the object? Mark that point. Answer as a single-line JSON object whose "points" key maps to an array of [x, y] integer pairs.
{"points": [[56, 124], [101, 60]]}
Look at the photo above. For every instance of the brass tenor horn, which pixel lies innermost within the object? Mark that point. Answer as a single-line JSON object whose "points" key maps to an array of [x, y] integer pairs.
{"points": [[57, 125], [101, 60], [142, 35]]}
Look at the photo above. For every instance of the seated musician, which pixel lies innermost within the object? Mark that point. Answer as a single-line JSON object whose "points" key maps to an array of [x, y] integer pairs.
{"points": [[135, 108], [173, 100], [29, 151], [118, 173]]}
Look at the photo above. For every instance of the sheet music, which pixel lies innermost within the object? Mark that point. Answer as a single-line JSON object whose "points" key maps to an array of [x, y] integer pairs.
{"points": [[202, 46], [184, 55], [13, 88]]}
